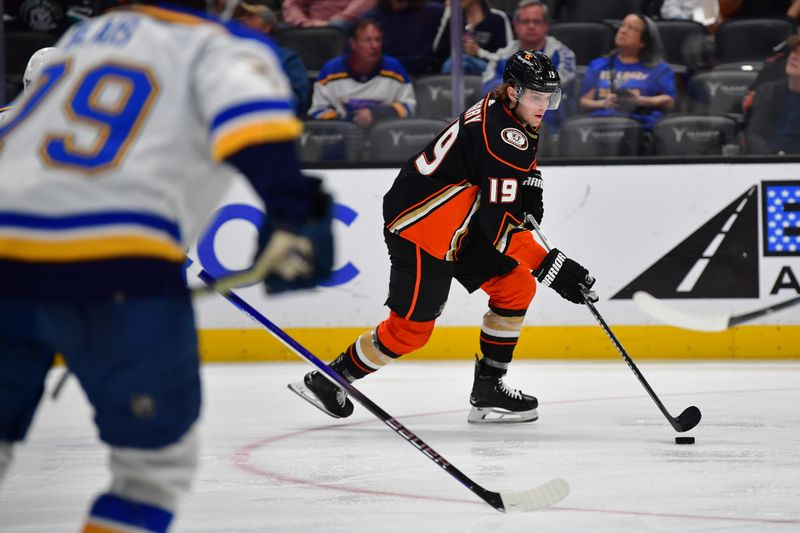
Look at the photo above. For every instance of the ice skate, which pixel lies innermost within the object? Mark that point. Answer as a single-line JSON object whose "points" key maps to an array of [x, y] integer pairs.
{"points": [[494, 402], [327, 397]]}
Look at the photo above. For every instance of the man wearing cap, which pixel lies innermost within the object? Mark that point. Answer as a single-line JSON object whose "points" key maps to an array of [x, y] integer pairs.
{"points": [[257, 15], [774, 122]]}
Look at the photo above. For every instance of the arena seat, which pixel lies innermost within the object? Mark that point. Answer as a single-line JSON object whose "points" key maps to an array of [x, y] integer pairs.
{"points": [[750, 39], [681, 135], [675, 34], [398, 139], [719, 91], [588, 136], [588, 39], [330, 140], [316, 46], [434, 95]]}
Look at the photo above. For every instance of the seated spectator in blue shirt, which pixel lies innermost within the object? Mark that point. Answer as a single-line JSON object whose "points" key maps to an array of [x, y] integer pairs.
{"points": [[486, 30], [531, 23], [364, 85], [773, 125], [633, 80], [257, 16], [409, 27]]}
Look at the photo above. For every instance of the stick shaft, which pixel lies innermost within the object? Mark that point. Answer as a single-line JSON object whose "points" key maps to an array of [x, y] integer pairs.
{"points": [[752, 315], [621, 350], [492, 498], [613, 338]]}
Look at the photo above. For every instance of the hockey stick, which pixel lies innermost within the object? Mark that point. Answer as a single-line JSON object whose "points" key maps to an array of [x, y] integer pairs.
{"points": [[690, 416], [250, 275], [544, 495], [716, 322]]}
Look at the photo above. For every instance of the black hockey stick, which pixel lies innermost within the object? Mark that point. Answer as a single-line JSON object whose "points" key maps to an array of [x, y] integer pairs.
{"points": [[690, 416], [698, 322], [544, 495]]}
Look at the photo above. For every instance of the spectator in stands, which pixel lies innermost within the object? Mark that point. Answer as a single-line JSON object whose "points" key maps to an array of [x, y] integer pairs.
{"points": [[773, 125], [531, 23], [340, 14], [486, 30], [409, 27], [774, 68], [256, 15], [706, 12], [363, 85], [633, 80]]}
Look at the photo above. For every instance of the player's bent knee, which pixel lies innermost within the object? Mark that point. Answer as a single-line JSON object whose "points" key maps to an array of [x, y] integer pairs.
{"points": [[148, 416], [514, 290], [402, 336]]}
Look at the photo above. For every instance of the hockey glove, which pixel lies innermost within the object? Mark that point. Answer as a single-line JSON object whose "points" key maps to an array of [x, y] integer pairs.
{"points": [[532, 201], [298, 256], [565, 276]]}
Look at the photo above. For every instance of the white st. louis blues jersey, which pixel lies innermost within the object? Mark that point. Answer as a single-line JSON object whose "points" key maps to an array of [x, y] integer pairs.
{"points": [[116, 152]]}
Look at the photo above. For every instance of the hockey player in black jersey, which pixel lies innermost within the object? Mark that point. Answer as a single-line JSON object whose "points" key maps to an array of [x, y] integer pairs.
{"points": [[457, 210]]}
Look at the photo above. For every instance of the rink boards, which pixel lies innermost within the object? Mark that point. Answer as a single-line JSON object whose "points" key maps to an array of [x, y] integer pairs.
{"points": [[706, 238]]}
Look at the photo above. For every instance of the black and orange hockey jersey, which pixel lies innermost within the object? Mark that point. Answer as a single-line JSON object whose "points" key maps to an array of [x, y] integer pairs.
{"points": [[466, 184]]}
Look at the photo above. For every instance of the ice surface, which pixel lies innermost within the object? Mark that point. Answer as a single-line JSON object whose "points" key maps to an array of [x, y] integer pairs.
{"points": [[271, 462]]}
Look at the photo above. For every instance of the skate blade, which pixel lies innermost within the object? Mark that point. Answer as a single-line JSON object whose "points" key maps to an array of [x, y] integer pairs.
{"points": [[495, 415], [305, 393]]}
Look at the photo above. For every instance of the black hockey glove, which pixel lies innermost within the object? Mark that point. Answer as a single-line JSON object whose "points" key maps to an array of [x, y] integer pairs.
{"points": [[532, 201], [565, 276], [298, 256]]}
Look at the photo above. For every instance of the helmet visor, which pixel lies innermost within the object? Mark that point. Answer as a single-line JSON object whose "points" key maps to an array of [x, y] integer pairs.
{"points": [[534, 99]]}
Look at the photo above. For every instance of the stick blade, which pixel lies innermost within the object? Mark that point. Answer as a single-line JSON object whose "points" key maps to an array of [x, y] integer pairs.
{"points": [[539, 497], [663, 313], [689, 418]]}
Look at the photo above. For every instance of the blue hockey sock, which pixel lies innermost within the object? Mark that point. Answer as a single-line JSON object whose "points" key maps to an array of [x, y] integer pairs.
{"points": [[112, 514]]}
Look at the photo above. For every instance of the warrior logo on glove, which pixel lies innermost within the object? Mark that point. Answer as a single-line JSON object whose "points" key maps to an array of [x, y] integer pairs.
{"points": [[565, 276]]}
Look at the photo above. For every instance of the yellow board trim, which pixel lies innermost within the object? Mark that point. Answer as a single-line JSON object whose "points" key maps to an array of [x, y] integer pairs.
{"points": [[231, 142], [89, 249], [536, 342]]}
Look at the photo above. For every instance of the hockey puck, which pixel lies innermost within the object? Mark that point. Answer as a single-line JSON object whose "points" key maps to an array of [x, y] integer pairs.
{"points": [[684, 440]]}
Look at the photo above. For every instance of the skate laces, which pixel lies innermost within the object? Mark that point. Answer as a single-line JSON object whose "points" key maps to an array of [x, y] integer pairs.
{"points": [[341, 397], [513, 393]]}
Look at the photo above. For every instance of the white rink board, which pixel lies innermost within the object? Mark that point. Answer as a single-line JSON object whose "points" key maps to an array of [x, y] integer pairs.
{"points": [[616, 220]]}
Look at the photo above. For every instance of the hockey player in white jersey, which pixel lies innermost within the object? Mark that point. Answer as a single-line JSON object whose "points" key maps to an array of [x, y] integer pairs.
{"points": [[110, 165], [37, 62]]}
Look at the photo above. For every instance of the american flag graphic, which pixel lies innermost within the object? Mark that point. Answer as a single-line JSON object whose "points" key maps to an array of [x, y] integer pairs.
{"points": [[782, 218]]}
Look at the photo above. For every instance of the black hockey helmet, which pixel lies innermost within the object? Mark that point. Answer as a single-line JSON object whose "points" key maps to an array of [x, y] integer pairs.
{"points": [[532, 70]]}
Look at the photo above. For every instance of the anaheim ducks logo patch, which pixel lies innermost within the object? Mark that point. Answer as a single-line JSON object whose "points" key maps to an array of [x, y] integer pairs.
{"points": [[515, 138]]}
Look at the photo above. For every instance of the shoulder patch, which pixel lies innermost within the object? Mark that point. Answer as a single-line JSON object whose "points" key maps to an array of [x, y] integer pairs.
{"points": [[515, 138]]}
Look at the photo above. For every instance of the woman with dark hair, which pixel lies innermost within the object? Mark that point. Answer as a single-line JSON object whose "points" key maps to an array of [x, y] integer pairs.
{"points": [[633, 80]]}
